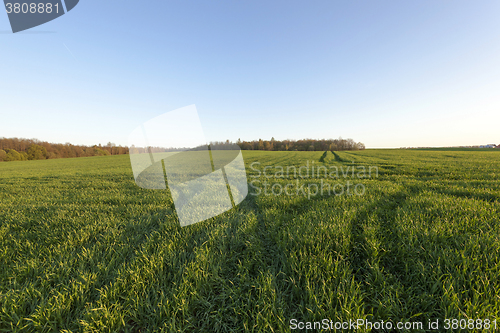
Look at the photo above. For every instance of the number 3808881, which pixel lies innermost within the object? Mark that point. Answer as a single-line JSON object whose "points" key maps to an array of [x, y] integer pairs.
{"points": [[31, 8]]}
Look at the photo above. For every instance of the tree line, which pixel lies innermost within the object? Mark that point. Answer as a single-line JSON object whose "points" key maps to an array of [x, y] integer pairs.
{"points": [[301, 145], [15, 149], [270, 145]]}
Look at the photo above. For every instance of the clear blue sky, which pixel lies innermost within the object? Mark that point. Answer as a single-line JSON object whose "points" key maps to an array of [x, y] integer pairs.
{"points": [[386, 73]]}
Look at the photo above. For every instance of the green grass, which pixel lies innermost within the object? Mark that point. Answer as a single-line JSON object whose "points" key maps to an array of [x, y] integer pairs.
{"points": [[83, 249]]}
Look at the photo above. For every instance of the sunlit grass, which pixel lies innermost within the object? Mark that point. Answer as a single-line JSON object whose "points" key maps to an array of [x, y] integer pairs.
{"points": [[83, 249]]}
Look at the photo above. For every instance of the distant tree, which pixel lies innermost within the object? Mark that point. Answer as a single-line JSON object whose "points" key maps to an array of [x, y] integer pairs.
{"points": [[245, 146], [98, 151], [13, 155], [3, 155], [260, 145], [36, 152]]}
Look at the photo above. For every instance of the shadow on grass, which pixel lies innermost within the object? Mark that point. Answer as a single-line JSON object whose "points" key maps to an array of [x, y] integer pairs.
{"points": [[486, 197], [390, 271], [337, 157]]}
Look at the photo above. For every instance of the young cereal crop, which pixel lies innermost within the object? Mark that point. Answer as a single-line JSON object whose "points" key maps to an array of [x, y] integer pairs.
{"points": [[83, 249]]}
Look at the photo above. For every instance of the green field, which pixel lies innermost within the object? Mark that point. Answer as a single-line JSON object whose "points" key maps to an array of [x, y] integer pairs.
{"points": [[83, 249]]}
